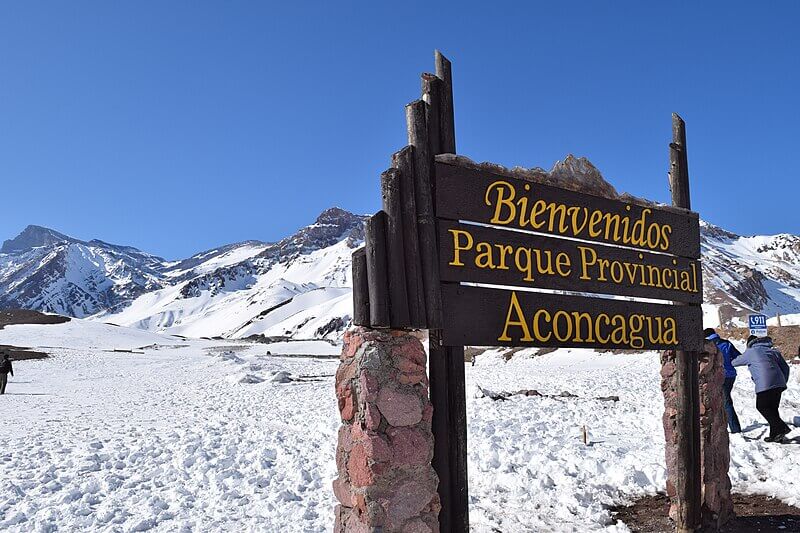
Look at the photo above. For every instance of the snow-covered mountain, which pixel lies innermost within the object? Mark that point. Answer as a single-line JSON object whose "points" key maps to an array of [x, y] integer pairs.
{"points": [[45, 270], [300, 287], [746, 274]]}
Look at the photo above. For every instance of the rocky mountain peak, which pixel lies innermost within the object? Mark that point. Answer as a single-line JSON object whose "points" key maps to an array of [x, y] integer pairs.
{"points": [[338, 217], [579, 169], [709, 230], [332, 225], [34, 237]]}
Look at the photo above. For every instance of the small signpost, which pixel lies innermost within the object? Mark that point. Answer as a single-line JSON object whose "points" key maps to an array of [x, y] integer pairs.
{"points": [[482, 259], [757, 324]]}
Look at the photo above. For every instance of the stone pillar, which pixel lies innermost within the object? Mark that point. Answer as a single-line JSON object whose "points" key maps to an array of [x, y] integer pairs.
{"points": [[714, 444], [386, 482], [717, 506]]}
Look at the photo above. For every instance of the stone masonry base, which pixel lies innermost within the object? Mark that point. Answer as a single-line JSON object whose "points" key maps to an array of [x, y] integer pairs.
{"points": [[386, 482]]}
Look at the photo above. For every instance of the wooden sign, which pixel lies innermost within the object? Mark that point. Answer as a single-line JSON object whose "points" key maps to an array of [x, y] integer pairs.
{"points": [[480, 316], [481, 196]]}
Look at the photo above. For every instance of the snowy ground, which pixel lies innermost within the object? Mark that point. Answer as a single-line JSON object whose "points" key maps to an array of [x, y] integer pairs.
{"points": [[209, 436]]}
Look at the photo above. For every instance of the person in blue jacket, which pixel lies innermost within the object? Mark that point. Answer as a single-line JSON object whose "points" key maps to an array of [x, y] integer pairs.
{"points": [[729, 353], [770, 374]]}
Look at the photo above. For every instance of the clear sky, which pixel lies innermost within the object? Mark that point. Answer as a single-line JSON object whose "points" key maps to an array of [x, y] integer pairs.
{"points": [[179, 126]]}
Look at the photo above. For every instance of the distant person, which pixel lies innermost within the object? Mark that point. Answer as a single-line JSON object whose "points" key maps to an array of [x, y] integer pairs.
{"points": [[770, 374], [5, 370], [729, 353]]}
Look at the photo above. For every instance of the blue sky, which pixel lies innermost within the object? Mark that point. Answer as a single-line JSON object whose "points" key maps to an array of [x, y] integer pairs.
{"points": [[179, 126]]}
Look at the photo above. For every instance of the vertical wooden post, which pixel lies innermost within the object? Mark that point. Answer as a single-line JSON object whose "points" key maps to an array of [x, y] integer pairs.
{"points": [[687, 480], [446, 111], [417, 126], [395, 249], [432, 95], [404, 162], [447, 363], [360, 288], [423, 135], [377, 279]]}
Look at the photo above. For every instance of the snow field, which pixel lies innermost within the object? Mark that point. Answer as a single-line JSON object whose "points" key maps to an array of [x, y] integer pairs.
{"points": [[169, 440], [218, 436], [530, 471]]}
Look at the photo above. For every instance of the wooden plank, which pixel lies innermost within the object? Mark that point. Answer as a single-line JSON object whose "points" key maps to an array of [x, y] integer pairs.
{"points": [[432, 95], [482, 254], [447, 137], [395, 249], [360, 288], [457, 442], [403, 161], [687, 479], [377, 274], [679, 165], [438, 370], [447, 383], [480, 316], [417, 129], [482, 196], [459, 487]]}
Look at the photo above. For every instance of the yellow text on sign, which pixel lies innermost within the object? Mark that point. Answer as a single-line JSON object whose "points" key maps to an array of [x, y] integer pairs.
{"points": [[577, 327]]}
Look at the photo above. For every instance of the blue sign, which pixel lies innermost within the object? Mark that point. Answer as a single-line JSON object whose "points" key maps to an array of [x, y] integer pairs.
{"points": [[758, 325]]}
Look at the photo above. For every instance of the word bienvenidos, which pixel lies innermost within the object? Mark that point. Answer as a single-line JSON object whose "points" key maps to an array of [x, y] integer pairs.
{"points": [[511, 207]]}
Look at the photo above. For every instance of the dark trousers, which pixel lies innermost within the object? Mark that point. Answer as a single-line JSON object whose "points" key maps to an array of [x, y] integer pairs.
{"points": [[3, 381], [733, 420], [767, 403]]}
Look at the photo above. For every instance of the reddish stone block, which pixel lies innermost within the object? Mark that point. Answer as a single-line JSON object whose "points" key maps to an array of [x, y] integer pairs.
{"points": [[358, 467], [412, 350], [408, 501], [377, 448], [368, 386], [410, 447], [345, 441], [360, 503], [353, 339], [399, 408], [408, 366], [346, 406], [412, 379], [343, 493], [427, 414], [372, 417], [344, 375], [667, 370]]}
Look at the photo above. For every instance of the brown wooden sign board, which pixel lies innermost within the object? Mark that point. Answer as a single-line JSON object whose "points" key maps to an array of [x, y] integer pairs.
{"points": [[480, 316], [482, 196], [482, 254]]}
